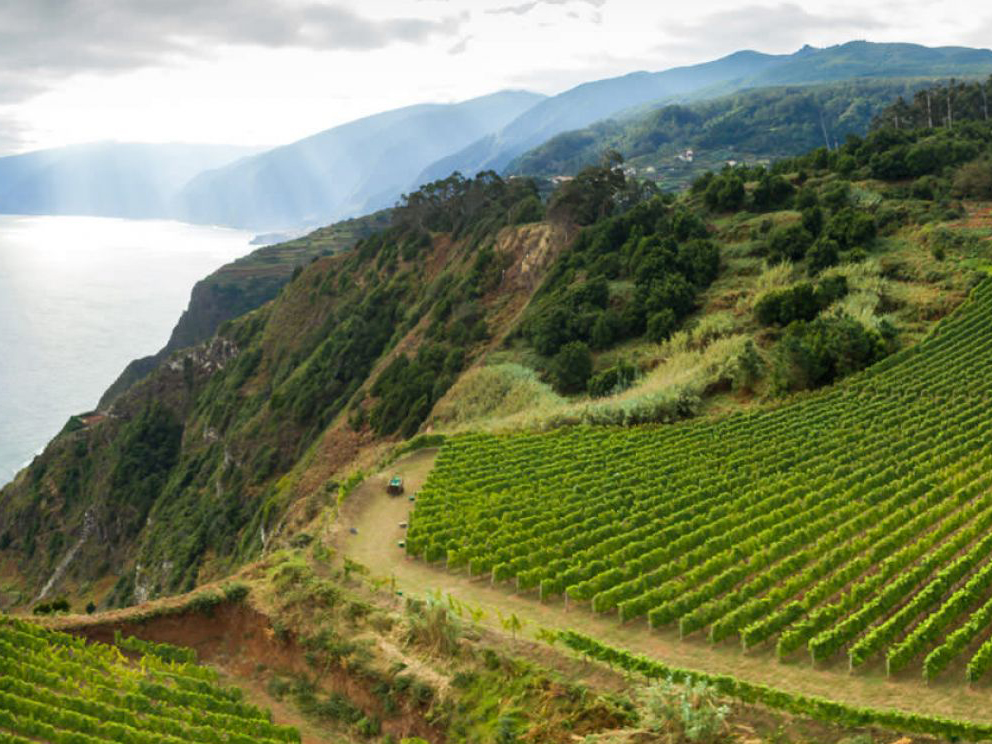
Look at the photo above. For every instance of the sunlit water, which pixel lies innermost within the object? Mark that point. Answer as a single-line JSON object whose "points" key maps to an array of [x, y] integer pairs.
{"points": [[80, 297]]}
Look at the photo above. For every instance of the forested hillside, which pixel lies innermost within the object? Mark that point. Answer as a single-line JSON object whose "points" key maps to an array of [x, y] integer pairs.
{"points": [[676, 143], [182, 477]]}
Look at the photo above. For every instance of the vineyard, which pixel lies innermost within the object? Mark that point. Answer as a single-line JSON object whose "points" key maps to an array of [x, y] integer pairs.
{"points": [[57, 688], [852, 523]]}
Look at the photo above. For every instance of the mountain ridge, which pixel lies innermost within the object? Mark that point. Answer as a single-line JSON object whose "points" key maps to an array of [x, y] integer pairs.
{"points": [[839, 62]]}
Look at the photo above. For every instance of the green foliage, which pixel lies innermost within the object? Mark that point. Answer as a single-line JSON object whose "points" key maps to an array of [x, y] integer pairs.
{"points": [[824, 254], [974, 180], [725, 192], [788, 244], [851, 228], [572, 367], [468, 206], [845, 519], [772, 192], [803, 301], [164, 651], [689, 710], [408, 389], [431, 625], [771, 122], [815, 707], [661, 325], [51, 608], [591, 195], [816, 353], [612, 381], [147, 449], [662, 250]]}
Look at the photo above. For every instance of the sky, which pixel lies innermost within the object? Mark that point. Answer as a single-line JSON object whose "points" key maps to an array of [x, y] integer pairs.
{"points": [[267, 72]]}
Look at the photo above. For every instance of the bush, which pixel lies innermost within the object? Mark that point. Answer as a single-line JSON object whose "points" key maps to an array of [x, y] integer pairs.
{"points": [[661, 325], [827, 349], [527, 210], [812, 220], [788, 244], [612, 381], [572, 367], [836, 195], [974, 180], [725, 192], [851, 228], [772, 192], [801, 302], [824, 254], [690, 710]]}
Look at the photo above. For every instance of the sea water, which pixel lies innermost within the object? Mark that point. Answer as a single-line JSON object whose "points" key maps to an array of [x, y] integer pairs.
{"points": [[80, 297]]}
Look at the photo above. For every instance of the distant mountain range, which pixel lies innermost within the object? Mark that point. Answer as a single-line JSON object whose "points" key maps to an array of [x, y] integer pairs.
{"points": [[603, 99], [352, 169], [365, 165], [676, 143], [106, 179]]}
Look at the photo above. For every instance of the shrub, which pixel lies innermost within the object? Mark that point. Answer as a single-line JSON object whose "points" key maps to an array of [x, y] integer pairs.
{"points": [[974, 180], [788, 244], [572, 367], [612, 381], [661, 325], [690, 710], [824, 254], [824, 350], [801, 302]]}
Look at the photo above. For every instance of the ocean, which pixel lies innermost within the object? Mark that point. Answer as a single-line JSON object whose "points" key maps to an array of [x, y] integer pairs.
{"points": [[80, 297]]}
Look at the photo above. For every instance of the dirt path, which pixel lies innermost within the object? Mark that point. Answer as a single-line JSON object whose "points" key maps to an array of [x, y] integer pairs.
{"points": [[376, 516]]}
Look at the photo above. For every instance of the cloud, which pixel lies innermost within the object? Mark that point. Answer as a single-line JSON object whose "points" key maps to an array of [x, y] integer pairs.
{"points": [[786, 26], [521, 9], [43, 41], [524, 8], [12, 133], [461, 46]]}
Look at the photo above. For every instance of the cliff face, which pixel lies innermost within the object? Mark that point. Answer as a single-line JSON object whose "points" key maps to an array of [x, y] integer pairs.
{"points": [[242, 286], [192, 469]]}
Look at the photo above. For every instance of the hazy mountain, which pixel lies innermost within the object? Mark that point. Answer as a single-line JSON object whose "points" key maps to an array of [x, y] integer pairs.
{"points": [[581, 106], [351, 169], [591, 102], [755, 124], [106, 179]]}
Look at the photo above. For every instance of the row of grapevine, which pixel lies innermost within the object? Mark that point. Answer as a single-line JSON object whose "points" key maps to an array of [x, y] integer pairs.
{"points": [[56, 687], [853, 520], [804, 705]]}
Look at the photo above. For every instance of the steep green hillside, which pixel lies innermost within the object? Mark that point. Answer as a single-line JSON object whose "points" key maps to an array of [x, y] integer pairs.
{"points": [[57, 688], [244, 285], [183, 476]]}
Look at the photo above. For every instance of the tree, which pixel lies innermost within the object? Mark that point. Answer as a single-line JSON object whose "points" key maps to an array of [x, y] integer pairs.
{"points": [[824, 254], [788, 244], [590, 196], [572, 367], [661, 325]]}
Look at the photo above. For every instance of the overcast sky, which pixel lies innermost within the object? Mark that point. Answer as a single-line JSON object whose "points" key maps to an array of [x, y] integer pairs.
{"points": [[272, 71]]}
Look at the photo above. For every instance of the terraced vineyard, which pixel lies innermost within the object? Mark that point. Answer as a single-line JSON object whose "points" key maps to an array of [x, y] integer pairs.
{"points": [[57, 688], [857, 521]]}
